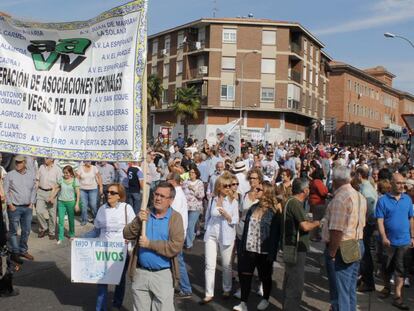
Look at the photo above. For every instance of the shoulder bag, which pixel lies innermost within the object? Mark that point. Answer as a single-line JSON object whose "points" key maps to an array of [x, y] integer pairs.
{"points": [[289, 251], [349, 249]]}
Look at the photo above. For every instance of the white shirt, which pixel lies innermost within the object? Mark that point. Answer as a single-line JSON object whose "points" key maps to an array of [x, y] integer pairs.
{"points": [[217, 226], [111, 220], [244, 185], [180, 205]]}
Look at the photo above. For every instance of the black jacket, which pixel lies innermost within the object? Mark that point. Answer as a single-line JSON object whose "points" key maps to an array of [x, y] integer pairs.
{"points": [[270, 231]]}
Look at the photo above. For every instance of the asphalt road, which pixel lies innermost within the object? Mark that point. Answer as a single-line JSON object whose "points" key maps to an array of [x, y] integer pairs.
{"points": [[45, 284]]}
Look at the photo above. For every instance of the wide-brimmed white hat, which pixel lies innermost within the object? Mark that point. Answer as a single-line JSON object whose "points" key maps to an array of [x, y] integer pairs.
{"points": [[239, 167]]}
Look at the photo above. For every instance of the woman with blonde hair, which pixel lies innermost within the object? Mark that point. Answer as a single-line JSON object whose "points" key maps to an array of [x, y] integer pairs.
{"points": [[222, 216], [259, 244]]}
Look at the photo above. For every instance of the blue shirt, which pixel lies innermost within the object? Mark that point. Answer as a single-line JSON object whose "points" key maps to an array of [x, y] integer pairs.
{"points": [[157, 229], [204, 173], [396, 216]]}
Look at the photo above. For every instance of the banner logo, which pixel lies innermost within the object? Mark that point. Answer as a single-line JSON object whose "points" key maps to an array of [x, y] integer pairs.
{"points": [[63, 49]]}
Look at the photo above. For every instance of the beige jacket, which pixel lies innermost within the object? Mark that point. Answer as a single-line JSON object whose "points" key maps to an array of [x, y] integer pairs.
{"points": [[169, 249]]}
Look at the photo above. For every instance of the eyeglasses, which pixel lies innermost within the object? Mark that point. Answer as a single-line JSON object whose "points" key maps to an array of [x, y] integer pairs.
{"points": [[258, 189], [156, 194], [227, 186], [112, 193]]}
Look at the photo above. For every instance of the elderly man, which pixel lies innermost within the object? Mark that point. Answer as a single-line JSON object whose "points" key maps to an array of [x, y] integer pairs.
{"points": [[48, 176], [345, 220], [20, 190], [394, 213], [154, 265]]}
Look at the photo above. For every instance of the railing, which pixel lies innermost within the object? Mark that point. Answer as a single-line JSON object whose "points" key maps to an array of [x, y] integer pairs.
{"points": [[295, 48], [295, 76], [196, 45], [195, 73]]}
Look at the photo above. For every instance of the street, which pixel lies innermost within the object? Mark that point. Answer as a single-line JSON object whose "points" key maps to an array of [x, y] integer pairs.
{"points": [[45, 283]]}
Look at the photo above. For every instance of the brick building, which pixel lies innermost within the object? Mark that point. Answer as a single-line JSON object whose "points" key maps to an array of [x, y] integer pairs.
{"points": [[364, 105], [276, 72]]}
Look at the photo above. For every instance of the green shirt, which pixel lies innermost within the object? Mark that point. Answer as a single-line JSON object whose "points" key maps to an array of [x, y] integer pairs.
{"points": [[295, 214], [67, 191]]}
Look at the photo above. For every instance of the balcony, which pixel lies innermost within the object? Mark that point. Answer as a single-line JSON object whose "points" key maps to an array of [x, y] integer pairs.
{"points": [[295, 76], [296, 49], [198, 73], [194, 46]]}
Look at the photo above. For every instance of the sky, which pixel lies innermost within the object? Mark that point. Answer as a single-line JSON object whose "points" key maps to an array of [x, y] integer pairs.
{"points": [[351, 30]]}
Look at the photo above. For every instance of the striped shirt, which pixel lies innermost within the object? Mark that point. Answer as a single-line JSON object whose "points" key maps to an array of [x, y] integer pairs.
{"points": [[342, 214]]}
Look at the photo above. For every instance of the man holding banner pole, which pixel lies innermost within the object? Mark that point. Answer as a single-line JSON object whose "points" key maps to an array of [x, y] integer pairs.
{"points": [[154, 267]]}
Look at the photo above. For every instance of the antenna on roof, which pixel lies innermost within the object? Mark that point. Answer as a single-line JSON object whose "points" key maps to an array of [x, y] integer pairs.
{"points": [[250, 15], [215, 8]]}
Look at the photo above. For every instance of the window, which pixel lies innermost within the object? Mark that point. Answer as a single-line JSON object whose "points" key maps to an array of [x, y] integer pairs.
{"points": [[179, 68], [154, 47], [166, 70], [305, 46], [310, 76], [317, 78], [167, 43], [317, 56], [294, 96], [227, 92], [180, 40], [268, 65], [165, 96], [311, 51], [154, 70], [268, 94], [304, 73], [228, 63], [201, 36], [229, 35], [269, 37]]}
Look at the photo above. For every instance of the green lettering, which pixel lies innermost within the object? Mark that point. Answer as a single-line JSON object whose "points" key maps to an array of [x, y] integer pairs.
{"points": [[121, 256], [114, 256], [98, 256], [107, 256], [76, 46], [44, 65]]}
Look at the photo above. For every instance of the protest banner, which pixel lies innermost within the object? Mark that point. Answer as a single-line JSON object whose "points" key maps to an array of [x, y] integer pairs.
{"points": [[229, 137], [75, 90], [97, 261]]}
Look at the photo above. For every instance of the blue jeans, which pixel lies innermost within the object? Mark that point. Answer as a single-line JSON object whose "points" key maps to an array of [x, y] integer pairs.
{"points": [[185, 285], [89, 200], [21, 217], [342, 279], [135, 199], [192, 221], [101, 299]]}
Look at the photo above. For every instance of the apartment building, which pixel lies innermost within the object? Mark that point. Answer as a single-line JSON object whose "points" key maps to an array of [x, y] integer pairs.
{"points": [[364, 105], [274, 74]]}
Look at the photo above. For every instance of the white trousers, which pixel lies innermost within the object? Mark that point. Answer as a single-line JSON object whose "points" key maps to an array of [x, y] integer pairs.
{"points": [[211, 259]]}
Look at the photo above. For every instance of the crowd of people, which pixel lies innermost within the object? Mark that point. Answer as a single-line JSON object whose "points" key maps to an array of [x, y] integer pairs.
{"points": [[269, 203]]}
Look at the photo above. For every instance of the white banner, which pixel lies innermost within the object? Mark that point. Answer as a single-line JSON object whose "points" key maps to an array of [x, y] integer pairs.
{"points": [[74, 90], [229, 137], [97, 261]]}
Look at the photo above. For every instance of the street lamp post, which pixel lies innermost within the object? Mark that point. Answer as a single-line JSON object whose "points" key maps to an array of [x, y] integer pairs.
{"points": [[241, 84], [391, 35]]}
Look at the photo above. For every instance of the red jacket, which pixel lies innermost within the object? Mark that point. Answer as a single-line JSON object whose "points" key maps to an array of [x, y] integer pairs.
{"points": [[318, 192]]}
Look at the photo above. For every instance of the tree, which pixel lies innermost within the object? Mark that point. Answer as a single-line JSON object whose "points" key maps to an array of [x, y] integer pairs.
{"points": [[154, 95], [186, 105]]}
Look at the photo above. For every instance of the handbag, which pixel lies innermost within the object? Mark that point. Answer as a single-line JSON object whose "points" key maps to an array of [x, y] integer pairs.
{"points": [[349, 249], [290, 252]]}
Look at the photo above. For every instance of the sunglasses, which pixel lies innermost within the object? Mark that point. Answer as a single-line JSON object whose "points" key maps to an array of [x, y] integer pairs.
{"points": [[235, 184], [112, 193], [227, 186], [258, 189]]}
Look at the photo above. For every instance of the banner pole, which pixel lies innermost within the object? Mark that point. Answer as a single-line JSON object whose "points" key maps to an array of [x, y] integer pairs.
{"points": [[145, 191]]}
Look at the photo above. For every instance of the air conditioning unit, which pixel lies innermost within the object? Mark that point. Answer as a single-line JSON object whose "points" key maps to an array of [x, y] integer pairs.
{"points": [[164, 51], [198, 45], [203, 70]]}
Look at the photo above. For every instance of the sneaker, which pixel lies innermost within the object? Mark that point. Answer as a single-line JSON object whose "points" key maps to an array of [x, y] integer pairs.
{"points": [[183, 295], [407, 282], [263, 304], [392, 280], [16, 258], [237, 294], [83, 223], [240, 307], [59, 242], [260, 290]]}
